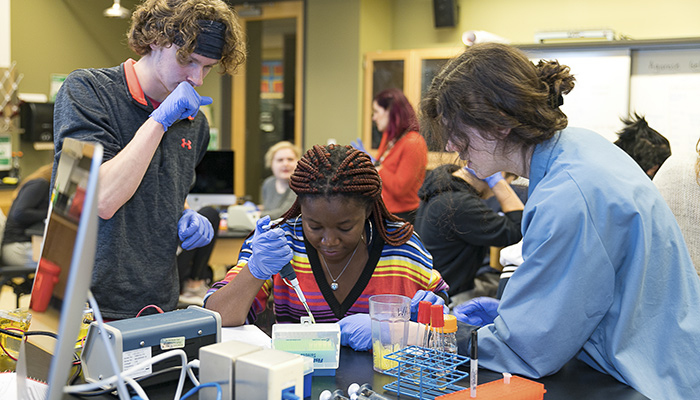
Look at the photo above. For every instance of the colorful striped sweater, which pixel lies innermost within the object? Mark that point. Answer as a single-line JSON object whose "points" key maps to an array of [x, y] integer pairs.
{"points": [[390, 269]]}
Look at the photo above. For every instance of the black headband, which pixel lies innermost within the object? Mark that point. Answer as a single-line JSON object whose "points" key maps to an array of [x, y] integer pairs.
{"points": [[210, 41]]}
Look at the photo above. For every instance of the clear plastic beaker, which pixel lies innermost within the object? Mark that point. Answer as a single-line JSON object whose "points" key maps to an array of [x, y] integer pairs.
{"points": [[390, 314]]}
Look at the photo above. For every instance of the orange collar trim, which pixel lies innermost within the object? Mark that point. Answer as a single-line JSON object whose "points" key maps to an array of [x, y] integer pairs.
{"points": [[132, 81]]}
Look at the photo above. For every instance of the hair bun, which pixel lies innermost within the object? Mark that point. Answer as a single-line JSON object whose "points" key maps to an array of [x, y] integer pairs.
{"points": [[558, 79]]}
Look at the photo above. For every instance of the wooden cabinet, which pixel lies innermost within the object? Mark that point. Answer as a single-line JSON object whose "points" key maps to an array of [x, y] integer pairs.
{"points": [[412, 71]]}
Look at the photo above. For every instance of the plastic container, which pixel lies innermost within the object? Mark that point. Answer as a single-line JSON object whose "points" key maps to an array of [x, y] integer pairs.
{"points": [[308, 373], [320, 341], [46, 278], [450, 334]]}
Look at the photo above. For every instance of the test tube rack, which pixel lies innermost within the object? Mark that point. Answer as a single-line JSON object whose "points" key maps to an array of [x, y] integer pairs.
{"points": [[425, 373]]}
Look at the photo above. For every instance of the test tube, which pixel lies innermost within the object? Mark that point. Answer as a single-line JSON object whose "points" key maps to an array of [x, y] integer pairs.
{"points": [[423, 323], [437, 323]]}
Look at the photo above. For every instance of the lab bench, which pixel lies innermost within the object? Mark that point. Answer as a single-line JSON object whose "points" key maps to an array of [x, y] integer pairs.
{"points": [[575, 381]]}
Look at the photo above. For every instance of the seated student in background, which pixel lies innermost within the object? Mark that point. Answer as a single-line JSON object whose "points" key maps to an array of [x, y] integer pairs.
{"points": [[193, 265], [343, 244], [277, 196], [30, 205], [678, 180], [457, 226], [606, 276], [645, 145]]}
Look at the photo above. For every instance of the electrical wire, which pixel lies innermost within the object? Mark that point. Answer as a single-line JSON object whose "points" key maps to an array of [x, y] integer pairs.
{"points": [[160, 310], [204, 385], [21, 336], [88, 387], [140, 380], [121, 386], [137, 388], [190, 365]]}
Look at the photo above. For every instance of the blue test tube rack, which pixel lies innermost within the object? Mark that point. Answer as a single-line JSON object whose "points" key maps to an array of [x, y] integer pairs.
{"points": [[425, 373]]}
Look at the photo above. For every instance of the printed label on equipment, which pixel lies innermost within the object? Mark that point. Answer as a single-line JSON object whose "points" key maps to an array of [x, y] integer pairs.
{"points": [[172, 343], [133, 357]]}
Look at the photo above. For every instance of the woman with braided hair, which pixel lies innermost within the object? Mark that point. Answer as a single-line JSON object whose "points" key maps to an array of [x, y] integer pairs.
{"points": [[606, 276], [343, 245]]}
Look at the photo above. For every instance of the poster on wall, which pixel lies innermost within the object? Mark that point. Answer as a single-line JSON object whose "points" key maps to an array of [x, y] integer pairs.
{"points": [[601, 93]]}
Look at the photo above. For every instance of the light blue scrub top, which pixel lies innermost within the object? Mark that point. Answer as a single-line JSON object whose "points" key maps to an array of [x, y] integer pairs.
{"points": [[607, 276]]}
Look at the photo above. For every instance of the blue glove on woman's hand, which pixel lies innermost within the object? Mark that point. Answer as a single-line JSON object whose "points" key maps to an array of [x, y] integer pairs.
{"points": [[361, 146], [356, 332], [181, 103], [479, 311], [490, 180], [270, 250], [194, 230], [424, 295], [493, 179]]}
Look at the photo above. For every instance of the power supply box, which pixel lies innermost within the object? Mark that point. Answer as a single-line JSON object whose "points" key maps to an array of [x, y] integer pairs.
{"points": [[135, 340]]}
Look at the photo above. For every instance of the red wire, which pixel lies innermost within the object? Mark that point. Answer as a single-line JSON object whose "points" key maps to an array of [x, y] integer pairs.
{"points": [[160, 311], [4, 349]]}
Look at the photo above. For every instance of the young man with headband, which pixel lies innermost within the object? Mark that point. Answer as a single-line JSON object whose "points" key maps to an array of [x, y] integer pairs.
{"points": [[145, 114]]}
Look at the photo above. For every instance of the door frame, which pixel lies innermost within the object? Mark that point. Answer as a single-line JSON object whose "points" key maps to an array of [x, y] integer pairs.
{"points": [[279, 10]]}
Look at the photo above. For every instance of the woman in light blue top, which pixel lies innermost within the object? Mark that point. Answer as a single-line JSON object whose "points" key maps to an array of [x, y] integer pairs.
{"points": [[606, 276]]}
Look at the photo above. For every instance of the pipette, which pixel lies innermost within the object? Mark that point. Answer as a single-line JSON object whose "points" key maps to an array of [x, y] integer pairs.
{"points": [[290, 277], [287, 273]]}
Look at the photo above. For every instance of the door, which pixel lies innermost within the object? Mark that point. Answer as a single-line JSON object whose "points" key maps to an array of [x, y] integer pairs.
{"points": [[267, 90]]}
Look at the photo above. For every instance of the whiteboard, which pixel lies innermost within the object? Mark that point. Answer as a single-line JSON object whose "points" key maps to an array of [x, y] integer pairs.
{"points": [[601, 94], [665, 86]]}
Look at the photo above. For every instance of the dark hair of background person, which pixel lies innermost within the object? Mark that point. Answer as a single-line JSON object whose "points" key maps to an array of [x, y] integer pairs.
{"points": [[344, 171], [402, 116], [644, 144], [493, 87], [161, 22]]}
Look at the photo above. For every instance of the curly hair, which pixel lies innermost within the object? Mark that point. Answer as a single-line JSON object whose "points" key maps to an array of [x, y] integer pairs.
{"points": [[160, 22], [335, 170], [493, 87]]}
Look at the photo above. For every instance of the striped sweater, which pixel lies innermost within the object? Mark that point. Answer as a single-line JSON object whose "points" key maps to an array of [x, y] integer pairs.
{"points": [[390, 269]]}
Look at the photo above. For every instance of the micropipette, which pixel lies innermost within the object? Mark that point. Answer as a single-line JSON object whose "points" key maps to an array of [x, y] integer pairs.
{"points": [[287, 273], [290, 277]]}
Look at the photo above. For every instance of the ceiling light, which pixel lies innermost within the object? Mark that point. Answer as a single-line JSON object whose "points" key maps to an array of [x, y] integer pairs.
{"points": [[116, 11]]}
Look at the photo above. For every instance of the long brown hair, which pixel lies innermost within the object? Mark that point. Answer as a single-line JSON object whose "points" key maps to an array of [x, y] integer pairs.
{"points": [[336, 170]]}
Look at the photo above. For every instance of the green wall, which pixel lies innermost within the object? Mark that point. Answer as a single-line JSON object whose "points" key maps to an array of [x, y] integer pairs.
{"points": [[57, 36], [331, 105]]}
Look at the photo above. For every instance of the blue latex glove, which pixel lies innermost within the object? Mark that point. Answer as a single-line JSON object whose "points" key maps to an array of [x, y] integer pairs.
{"points": [[361, 146], [479, 311], [270, 250], [493, 179], [490, 180], [183, 102], [194, 229], [356, 332], [424, 295]]}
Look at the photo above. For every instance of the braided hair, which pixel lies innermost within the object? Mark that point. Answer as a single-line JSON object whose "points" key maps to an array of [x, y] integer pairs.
{"points": [[336, 170]]}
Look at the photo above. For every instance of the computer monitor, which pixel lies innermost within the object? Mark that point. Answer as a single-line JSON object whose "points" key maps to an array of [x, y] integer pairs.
{"points": [[67, 256], [214, 181]]}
